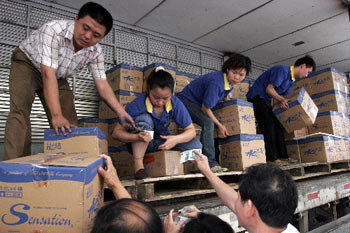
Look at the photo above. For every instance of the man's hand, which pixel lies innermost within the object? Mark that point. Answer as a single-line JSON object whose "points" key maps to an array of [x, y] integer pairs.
{"points": [[222, 131], [145, 137], [60, 122], [170, 226], [191, 211], [110, 175], [284, 103], [169, 143], [202, 163], [126, 120]]}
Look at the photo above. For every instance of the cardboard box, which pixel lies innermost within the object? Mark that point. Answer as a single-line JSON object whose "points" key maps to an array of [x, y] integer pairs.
{"points": [[112, 123], [182, 80], [317, 148], [163, 163], [327, 79], [296, 133], [122, 160], [331, 101], [329, 122], [125, 77], [81, 141], [293, 150], [123, 97], [240, 90], [94, 122], [302, 112], [237, 116], [302, 83], [241, 151], [50, 193], [347, 147], [148, 70]]}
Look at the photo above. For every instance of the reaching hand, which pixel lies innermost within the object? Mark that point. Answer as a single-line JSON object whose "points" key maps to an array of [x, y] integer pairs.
{"points": [[60, 122], [284, 104], [110, 175], [145, 136], [222, 131], [126, 120], [169, 143], [190, 211], [202, 163], [170, 226]]}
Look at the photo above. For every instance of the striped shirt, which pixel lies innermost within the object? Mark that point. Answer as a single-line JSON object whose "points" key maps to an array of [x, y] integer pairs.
{"points": [[52, 45]]}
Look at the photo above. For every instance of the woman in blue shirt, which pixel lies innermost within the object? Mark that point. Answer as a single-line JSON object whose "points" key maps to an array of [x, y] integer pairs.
{"points": [[202, 94], [153, 112]]}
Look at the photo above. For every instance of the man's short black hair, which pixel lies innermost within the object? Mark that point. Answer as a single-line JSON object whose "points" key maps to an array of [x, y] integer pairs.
{"points": [[127, 215], [272, 191], [237, 61], [161, 79], [308, 61], [98, 13], [208, 223]]}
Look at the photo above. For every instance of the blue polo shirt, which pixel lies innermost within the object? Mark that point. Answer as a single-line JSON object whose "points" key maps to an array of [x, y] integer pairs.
{"points": [[206, 90], [174, 110], [280, 76]]}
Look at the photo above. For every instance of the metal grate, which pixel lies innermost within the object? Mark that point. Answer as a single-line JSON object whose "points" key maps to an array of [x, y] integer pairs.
{"points": [[189, 69], [109, 39], [189, 56], [162, 49], [12, 33], [4, 79], [212, 62], [40, 16], [13, 12], [206, 71], [131, 58], [108, 52], [6, 52], [131, 41], [163, 61]]}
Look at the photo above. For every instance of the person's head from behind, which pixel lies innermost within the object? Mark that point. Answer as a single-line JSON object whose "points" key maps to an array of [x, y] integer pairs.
{"points": [[160, 86], [207, 223], [271, 191], [91, 25], [304, 66], [237, 67], [127, 215]]}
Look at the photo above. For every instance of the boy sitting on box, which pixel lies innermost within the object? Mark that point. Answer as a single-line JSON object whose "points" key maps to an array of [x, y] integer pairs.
{"points": [[202, 94], [153, 112], [274, 84]]}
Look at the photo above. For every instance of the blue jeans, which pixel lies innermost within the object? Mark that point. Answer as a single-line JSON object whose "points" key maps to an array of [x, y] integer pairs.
{"points": [[207, 135], [145, 122]]}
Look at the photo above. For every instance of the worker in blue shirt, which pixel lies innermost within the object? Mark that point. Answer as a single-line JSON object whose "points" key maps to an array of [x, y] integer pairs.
{"points": [[275, 83], [203, 93], [153, 112]]}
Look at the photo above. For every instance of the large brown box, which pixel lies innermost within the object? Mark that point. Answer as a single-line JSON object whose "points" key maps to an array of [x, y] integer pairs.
{"points": [[125, 77], [331, 101], [50, 193], [237, 116], [329, 122], [241, 151], [94, 122], [301, 113], [163, 163], [182, 80], [90, 141], [240, 90], [293, 149]]}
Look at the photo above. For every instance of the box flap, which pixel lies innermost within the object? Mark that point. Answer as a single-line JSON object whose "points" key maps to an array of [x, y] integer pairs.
{"points": [[50, 134]]}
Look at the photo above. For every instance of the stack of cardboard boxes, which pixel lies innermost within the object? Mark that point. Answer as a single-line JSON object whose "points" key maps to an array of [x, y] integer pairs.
{"points": [[57, 191], [327, 139], [243, 147]]}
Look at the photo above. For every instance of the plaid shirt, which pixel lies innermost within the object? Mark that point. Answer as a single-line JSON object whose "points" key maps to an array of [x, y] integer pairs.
{"points": [[52, 45]]}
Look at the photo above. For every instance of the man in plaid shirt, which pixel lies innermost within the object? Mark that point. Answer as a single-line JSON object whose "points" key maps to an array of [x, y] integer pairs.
{"points": [[41, 65]]}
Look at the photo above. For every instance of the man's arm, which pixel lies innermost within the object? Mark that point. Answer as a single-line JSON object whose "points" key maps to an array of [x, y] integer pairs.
{"points": [[106, 92], [222, 129], [270, 90], [51, 94], [110, 177], [227, 194]]}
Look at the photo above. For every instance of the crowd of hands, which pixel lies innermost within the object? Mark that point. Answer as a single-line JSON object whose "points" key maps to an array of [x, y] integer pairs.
{"points": [[111, 179]]}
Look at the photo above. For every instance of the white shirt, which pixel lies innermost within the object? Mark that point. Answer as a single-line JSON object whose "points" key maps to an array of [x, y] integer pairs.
{"points": [[290, 229], [52, 45]]}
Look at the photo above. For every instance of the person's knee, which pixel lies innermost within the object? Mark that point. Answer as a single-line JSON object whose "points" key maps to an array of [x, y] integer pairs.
{"points": [[144, 121]]}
